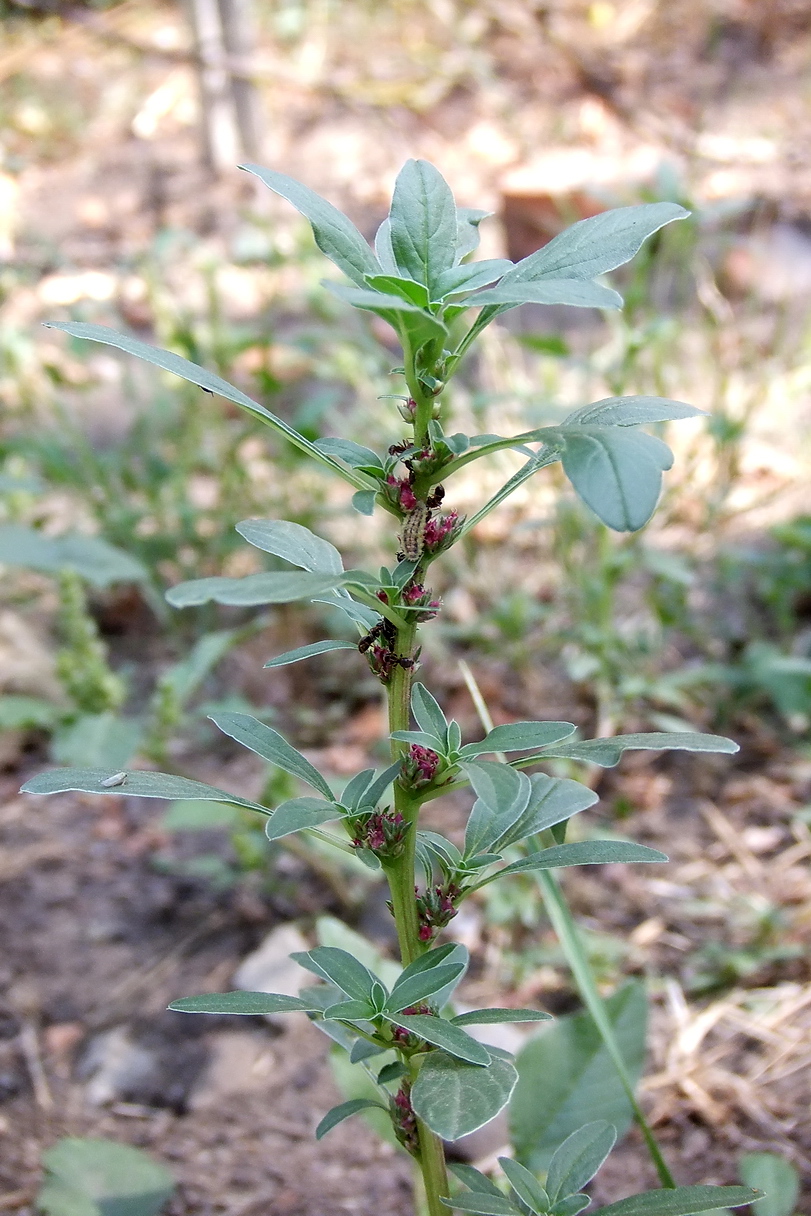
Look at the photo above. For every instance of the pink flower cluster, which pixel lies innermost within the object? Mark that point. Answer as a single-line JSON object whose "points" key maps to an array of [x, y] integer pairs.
{"points": [[418, 596], [436, 907], [405, 495], [422, 764], [440, 530]]}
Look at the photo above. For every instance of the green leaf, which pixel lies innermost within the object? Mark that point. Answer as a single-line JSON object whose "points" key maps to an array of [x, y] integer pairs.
{"points": [[272, 746], [681, 1201], [582, 853], [411, 990], [777, 1177], [442, 1034], [616, 472], [18, 712], [455, 1098], [501, 800], [578, 1159], [569, 1065], [252, 590], [340, 968], [631, 411], [351, 453], [553, 800], [423, 223], [467, 230], [383, 249], [420, 738], [198, 375], [574, 292], [608, 752], [350, 1011], [308, 652], [519, 737], [243, 1004], [297, 814], [428, 713], [392, 1072], [473, 1178], [571, 1205], [526, 1185], [97, 741], [293, 542], [452, 954], [470, 276], [406, 289], [363, 501], [92, 558], [386, 306], [335, 234], [598, 244], [87, 1177], [381, 783], [483, 1203], [493, 1017], [137, 783], [345, 1111]]}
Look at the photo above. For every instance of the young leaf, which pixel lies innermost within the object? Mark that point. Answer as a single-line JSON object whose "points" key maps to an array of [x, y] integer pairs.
{"points": [[570, 1066], [681, 1201], [86, 1177], [272, 746], [519, 737], [631, 411], [473, 1178], [350, 1011], [583, 853], [243, 1004], [553, 799], [501, 800], [363, 501], [454, 1098], [578, 1159], [597, 244], [198, 375], [525, 1185], [423, 222], [381, 783], [470, 276], [391, 1072], [345, 1111], [571, 1205], [574, 292], [608, 752], [92, 558], [136, 783], [774, 1175], [252, 590], [442, 1034], [352, 795], [308, 652], [428, 713], [483, 1203], [493, 1017], [351, 453], [340, 968], [415, 988], [406, 289], [383, 249], [335, 234], [467, 231], [297, 814], [420, 738], [293, 542]]}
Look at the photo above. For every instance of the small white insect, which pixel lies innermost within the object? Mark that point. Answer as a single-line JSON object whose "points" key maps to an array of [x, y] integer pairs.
{"points": [[116, 779]]}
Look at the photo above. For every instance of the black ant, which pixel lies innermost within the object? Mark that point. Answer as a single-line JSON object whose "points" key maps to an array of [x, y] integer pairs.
{"points": [[434, 500], [383, 629]]}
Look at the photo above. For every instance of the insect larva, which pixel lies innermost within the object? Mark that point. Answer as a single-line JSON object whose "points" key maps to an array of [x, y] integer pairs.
{"points": [[413, 534], [116, 779]]}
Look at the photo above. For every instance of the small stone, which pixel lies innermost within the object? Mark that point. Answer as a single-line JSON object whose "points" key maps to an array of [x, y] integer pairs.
{"points": [[115, 1067], [270, 969], [240, 1062]]}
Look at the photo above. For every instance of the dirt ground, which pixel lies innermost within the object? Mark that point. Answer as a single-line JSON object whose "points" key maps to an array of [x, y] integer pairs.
{"points": [[95, 938]]}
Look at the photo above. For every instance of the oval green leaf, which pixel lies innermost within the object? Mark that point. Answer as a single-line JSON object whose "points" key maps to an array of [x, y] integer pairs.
{"points": [[454, 1098]]}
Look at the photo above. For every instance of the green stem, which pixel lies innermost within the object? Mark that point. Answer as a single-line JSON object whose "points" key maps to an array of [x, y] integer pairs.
{"points": [[400, 875], [563, 923]]}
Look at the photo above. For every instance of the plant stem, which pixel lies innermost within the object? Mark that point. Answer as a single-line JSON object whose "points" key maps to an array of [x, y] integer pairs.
{"points": [[400, 874]]}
